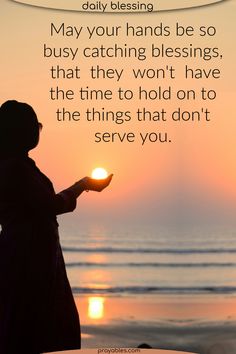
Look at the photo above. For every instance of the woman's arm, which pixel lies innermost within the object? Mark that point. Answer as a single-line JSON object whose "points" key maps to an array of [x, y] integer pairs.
{"points": [[65, 201], [32, 192]]}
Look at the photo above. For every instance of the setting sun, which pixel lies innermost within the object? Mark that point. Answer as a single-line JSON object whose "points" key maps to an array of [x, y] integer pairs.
{"points": [[99, 173]]}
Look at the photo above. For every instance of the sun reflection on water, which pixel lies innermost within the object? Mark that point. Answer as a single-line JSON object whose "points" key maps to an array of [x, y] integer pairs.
{"points": [[96, 307]]}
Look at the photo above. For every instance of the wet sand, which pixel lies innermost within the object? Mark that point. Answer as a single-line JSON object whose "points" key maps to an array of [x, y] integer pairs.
{"points": [[200, 324]]}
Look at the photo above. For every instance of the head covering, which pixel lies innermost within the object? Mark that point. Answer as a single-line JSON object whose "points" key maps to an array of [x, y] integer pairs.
{"points": [[19, 128]]}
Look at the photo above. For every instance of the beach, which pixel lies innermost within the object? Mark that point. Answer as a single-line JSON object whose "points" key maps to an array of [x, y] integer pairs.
{"points": [[199, 324], [172, 288]]}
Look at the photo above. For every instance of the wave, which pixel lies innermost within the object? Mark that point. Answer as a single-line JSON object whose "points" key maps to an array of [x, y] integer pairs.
{"points": [[154, 265], [149, 250], [155, 290]]}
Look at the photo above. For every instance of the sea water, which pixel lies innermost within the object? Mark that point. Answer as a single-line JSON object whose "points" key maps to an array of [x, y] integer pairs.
{"points": [[150, 260]]}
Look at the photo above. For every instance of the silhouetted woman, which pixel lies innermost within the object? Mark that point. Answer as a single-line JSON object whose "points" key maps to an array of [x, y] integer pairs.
{"points": [[37, 309]]}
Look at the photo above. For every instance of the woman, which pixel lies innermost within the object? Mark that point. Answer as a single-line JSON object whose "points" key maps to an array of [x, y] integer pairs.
{"points": [[37, 309]]}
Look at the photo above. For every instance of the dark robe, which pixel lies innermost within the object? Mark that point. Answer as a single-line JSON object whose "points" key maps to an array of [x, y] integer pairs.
{"points": [[37, 310]]}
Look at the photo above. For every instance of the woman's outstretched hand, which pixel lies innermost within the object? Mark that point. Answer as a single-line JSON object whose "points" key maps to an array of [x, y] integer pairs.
{"points": [[97, 185], [90, 184]]}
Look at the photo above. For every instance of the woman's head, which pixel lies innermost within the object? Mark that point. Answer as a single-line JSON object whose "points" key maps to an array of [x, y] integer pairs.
{"points": [[19, 127]]}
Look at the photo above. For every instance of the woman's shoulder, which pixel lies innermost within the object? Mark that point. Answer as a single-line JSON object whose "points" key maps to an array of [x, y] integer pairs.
{"points": [[21, 172], [16, 171]]}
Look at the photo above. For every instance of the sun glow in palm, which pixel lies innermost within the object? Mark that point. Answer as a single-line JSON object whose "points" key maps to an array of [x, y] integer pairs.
{"points": [[99, 173]]}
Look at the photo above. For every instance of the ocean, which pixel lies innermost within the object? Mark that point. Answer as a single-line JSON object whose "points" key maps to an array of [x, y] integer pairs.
{"points": [[150, 260]]}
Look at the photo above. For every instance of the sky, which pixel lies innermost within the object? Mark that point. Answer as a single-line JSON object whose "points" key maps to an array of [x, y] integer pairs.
{"points": [[194, 175]]}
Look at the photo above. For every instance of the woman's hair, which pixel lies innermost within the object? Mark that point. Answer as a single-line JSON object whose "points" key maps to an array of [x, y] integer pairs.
{"points": [[19, 128]]}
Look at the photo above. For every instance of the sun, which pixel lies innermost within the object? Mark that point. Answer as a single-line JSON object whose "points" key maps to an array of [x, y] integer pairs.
{"points": [[99, 173]]}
